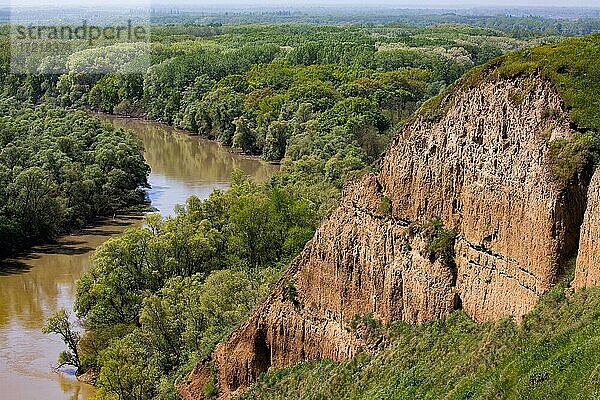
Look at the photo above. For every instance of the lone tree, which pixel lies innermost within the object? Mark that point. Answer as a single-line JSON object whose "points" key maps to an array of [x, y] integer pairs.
{"points": [[60, 324]]}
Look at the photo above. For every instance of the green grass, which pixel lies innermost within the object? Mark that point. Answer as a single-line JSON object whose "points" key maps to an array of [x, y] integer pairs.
{"points": [[553, 354], [573, 65]]}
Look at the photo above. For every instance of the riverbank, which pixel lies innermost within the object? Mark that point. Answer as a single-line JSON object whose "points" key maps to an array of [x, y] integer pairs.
{"points": [[99, 222], [38, 283], [230, 149]]}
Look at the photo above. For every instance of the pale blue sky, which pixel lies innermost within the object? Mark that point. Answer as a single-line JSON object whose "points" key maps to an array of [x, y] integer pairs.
{"points": [[300, 3]]}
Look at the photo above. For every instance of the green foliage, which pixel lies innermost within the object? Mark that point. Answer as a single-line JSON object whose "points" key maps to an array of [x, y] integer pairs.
{"points": [[551, 355], [367, 327], [60, 170], [104, 96], [570, 157], [385, 206], [247, 227], [440, 241], [60, 324], [280, 105], [179, 324], [291, 294], [93, 342], [165, 81], [174, 288], [128, 372], [211, 388]]}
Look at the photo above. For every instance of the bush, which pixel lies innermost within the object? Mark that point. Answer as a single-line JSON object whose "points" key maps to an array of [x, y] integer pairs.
{"points": [[440, 240]]}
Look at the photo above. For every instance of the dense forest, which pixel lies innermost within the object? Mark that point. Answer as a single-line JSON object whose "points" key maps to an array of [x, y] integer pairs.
{"points": [[60, 170], [171, 290], [322, 100]]}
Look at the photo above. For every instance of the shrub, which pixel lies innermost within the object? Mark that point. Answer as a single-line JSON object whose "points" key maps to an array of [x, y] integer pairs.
{"points": [[385, 206], [440, 240], [570, 157]]}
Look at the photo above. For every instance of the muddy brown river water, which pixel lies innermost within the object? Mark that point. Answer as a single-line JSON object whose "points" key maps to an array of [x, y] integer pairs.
{"points": [[35, 286]]}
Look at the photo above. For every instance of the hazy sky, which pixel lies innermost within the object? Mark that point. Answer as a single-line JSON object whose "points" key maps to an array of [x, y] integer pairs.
{"points": [[300, 3]]}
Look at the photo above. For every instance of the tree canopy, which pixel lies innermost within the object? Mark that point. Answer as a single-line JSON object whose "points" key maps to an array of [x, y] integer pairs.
{"points": [[59, 170]]}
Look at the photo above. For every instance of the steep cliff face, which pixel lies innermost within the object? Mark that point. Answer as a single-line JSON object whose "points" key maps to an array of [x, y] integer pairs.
{"points": [[587, 272], [359, 262], [483, 168]]}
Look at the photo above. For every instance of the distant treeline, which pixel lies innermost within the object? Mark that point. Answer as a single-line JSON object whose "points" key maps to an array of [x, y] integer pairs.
{"points": [[514, 21], [517, 22]]}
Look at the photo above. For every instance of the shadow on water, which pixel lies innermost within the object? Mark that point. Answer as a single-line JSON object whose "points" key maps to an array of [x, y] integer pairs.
{"points": [[100, 232], [68, 245], [68, 248], [12, 267]]}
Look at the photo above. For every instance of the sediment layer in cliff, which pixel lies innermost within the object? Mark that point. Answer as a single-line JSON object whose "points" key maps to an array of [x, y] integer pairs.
{"points": [[587, 272], [484, 168], [359, 262]]}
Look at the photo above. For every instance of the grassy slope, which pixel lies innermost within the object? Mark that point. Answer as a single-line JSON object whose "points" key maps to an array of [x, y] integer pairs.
{"points": [[554, 354]]}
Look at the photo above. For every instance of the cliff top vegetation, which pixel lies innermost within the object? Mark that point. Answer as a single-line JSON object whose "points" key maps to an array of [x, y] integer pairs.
{"points": [[573, 66]]}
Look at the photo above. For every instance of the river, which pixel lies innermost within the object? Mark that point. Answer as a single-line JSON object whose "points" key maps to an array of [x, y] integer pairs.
{"points": [[35, 286]]}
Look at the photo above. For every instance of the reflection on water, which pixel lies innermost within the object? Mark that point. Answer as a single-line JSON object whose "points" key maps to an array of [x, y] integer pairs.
{"points": [[35, 286], [183, 165]]}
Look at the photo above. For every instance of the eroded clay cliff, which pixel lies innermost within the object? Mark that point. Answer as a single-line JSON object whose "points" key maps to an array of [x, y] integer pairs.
{"points": [[484, 168], [359, 262], [587, 272]]}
